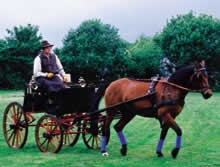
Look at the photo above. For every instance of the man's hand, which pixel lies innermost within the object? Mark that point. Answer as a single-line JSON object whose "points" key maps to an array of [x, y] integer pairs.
{"points": [[65, 79], [49, 75]]}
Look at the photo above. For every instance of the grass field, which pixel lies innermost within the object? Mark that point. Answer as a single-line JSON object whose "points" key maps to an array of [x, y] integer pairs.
{"points": [[200, 122]]}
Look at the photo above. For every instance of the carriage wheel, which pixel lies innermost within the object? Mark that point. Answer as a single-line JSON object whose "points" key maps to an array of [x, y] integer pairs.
{"points": [[72, 133], [49, 134], [92, 141], [14, 126]]}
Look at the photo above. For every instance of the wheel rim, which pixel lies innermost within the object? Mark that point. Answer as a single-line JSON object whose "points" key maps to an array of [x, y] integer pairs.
{"points": [[49, 134], [14, 126], [90, 140]]}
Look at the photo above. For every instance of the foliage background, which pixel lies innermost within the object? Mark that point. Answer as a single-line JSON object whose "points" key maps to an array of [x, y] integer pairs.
{"points": [[94, 46], [17, 52]]}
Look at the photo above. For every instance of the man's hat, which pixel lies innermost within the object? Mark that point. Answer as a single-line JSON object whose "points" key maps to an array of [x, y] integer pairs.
{"points": [[45, 44]]}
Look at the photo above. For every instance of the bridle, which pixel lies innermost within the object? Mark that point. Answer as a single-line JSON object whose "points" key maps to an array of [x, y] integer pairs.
{"points": [[203, 69], [196, 74]]}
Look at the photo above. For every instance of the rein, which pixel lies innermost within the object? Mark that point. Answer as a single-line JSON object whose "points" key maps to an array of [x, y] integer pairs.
{"points": [[181, 87], [196, 71], [172, 84]]}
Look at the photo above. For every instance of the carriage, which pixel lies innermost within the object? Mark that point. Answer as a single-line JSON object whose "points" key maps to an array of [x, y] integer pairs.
{"points": [[62, 127], [124, 98]]}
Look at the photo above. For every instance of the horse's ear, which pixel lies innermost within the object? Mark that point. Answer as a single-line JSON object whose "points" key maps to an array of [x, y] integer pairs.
{"points": [[203, 63], [196, 64]]}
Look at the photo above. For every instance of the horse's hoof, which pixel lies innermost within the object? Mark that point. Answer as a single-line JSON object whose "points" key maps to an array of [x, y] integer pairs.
{"points": [[175, 152], [123, 151], [159, 154], [105, 154]]}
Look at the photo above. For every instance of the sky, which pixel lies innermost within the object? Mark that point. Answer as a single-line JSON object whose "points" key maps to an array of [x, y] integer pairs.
{"points": [[132, 17]]}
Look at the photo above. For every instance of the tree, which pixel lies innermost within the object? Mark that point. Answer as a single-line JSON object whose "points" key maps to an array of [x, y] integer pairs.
{"points": [[17, 52], [188, 38], [145, 56], [92, 47], [2, 47]]}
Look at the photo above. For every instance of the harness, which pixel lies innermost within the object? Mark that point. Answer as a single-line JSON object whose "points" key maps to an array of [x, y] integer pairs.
{"points": [[170, 101]]}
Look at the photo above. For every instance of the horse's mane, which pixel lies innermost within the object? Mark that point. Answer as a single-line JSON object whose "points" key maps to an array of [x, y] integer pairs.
{"points": [[181, 76]]}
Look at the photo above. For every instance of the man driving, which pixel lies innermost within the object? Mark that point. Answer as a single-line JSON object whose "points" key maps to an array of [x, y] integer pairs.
{"points": [[48, 69]]}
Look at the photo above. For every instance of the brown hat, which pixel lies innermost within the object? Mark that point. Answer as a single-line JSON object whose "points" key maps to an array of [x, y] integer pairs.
{"points": [[45, 44]]}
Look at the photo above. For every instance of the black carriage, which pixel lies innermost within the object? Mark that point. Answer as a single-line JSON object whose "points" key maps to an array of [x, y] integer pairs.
{"points": [[60, 126]]}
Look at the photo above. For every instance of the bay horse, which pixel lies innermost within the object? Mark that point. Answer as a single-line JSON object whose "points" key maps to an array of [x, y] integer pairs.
{"points": [[165, 105]]}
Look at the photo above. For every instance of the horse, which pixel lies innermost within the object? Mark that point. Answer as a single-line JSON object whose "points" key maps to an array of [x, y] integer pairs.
{"points": [[165, 105]]}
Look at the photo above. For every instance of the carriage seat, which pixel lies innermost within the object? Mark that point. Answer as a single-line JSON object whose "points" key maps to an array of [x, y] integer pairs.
{"points": [[35, 87]]}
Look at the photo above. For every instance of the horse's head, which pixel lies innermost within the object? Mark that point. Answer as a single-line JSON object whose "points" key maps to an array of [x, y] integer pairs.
{"points": [[199, 79]]}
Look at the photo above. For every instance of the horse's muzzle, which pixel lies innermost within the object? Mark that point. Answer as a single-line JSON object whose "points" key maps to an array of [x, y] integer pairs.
{"points": [[207, 93]]}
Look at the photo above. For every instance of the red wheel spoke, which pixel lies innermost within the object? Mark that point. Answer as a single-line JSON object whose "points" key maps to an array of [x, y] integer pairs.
{"points": [[43, 142], [9, 130], [52, 130], [13, 140], [11, 136], [53, 142], [12, 121], [93, 141], [14, 109], [51, 147], [89, 138], [43, 126], [17, 139], [67, 139], [47, 144], [17, 112], [20, 134], [65, 136], [19, 115], [97, 145]]}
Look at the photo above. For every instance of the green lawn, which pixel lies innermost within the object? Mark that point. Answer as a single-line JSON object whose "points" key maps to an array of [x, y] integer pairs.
{"points": [[200, 122]]}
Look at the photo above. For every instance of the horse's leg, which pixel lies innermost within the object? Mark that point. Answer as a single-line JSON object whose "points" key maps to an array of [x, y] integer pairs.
{"points": [[163, 135], [105, 135], [119, 127], [172, 123], [178, 131]]}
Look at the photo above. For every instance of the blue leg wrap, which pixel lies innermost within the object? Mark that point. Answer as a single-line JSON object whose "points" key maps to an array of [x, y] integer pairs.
{"points": [[178, 141], [103, 144], [160, 145], [122, 138]]}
